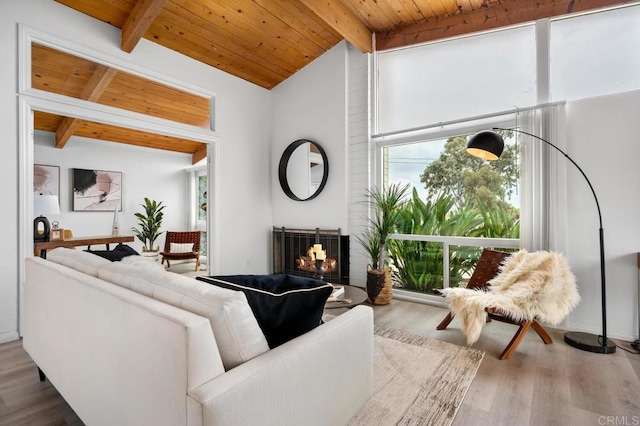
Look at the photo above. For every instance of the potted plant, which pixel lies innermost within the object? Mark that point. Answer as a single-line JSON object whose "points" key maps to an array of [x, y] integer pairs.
{"points": [[149, 222], [385, 203]]}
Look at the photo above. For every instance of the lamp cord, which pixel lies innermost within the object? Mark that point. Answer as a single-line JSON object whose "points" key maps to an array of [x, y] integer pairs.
{"points": [[637, 352], [634, 345]]}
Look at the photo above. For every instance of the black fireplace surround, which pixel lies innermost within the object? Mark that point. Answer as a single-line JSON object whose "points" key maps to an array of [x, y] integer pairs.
{"points": [[290, 247]]}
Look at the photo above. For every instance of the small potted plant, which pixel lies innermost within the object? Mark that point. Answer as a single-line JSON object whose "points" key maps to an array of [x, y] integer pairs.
{"points": [[385, 203], [149, 222]]}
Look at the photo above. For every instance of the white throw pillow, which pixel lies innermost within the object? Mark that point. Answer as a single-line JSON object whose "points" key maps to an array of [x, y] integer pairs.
{"points": [[180, 248], [79, 260], [234, 326]]}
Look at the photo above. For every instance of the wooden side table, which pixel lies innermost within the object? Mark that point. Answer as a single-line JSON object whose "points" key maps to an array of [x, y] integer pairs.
{"points": [[353, 296]]}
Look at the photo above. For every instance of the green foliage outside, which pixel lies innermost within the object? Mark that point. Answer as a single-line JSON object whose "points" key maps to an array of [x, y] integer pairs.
{"points": [[419, 264], [467, 198], [201, 208], [471, 180]]}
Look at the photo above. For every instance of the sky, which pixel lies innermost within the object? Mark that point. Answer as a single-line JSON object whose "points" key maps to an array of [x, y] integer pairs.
{"points": [[407, 162]]}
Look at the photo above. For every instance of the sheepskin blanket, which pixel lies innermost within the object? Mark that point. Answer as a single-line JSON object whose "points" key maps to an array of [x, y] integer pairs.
{"points": [[537, 285]]}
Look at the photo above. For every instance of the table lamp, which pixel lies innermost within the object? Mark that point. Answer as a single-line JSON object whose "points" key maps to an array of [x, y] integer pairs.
{"points": [[42, 205]]}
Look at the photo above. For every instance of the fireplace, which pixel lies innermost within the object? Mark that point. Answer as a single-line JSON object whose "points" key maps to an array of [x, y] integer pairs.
{"points": [[291, 247]]}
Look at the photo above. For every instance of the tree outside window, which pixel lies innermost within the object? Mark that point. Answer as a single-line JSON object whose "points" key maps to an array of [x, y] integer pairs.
{"points": [[454, 194]]}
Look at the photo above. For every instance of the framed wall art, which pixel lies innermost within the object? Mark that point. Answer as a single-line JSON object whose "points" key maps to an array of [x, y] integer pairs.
{"points": [[97, 190], [46, 180]]}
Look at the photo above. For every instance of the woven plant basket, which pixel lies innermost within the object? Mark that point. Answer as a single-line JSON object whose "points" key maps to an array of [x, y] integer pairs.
{"points": [[379, 286]]}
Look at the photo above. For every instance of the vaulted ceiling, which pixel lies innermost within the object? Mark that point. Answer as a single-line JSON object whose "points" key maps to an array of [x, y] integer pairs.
{"points": [[266, 41], [263, 42]]}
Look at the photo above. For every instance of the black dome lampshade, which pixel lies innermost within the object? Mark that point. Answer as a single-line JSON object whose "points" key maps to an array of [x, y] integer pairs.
{"points": [[486, 144]]}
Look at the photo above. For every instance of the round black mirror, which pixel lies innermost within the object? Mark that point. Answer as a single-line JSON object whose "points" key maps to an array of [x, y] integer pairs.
{"points": [[303, 170]]}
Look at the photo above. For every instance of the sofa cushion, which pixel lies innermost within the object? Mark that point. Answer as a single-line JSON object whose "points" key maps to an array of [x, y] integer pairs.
{"points": [[118, 253], [180, 248], [143, 262], [286, 306], [236, 330], [78, 260]]}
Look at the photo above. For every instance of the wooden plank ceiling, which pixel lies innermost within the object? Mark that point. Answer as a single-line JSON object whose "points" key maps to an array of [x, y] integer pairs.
{"points": [[66, 74], [267, 41]]}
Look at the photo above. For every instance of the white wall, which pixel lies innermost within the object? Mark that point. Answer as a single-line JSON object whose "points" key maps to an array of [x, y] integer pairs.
{"points": [[243, 198], [603, 138], [360, 161], [311, 104], [155, 174]]}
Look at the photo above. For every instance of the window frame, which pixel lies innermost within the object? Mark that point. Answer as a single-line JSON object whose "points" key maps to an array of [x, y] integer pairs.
{"points": [[439, 132]]}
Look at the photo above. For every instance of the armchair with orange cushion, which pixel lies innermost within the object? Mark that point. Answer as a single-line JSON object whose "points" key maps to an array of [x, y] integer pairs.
{"points": [[182, 245]]}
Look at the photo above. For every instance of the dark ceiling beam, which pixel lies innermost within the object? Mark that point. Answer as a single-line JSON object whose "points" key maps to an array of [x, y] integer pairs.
{"points": [[139, 21], [510, 12], [92, 91], [343, 21]]}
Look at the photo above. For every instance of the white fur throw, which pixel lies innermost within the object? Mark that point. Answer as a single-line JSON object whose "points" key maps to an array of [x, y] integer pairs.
{"points": [[537, 285]]}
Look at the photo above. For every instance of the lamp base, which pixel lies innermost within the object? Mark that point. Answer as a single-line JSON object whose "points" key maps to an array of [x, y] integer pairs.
{"points": [[589, 342], [41, 229]]}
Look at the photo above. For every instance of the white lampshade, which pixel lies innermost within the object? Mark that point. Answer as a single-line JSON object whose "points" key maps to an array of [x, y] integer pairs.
{"points": [[45, 204]]}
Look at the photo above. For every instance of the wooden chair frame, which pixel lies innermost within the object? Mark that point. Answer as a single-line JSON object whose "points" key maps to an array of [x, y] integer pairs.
{"points": [[182, 237], [488, 267]]}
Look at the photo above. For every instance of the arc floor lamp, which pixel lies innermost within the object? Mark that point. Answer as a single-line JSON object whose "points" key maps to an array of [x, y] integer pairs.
{"points": [[488, 145]]}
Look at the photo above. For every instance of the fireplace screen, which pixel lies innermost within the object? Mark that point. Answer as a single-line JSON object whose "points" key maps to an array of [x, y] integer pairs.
{"points": [[291, 253]]}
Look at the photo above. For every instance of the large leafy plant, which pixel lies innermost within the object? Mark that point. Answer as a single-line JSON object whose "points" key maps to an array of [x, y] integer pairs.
{"points": [[386, 205], [149, 222], [418, 265]]}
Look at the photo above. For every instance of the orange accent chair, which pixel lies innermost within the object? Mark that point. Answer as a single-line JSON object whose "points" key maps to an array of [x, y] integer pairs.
{"points": [[182, 245]]}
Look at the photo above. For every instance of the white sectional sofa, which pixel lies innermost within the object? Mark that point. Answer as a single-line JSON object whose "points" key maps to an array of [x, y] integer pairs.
{"points": [[131, 344]]}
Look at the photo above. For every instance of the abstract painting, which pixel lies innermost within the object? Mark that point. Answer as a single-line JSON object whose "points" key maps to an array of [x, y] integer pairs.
{"points": [[46, 180], [97, 190]]}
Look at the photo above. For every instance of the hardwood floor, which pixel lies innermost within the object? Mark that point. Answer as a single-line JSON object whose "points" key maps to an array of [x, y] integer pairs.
{"points": [[539, 385], [24, 400]]}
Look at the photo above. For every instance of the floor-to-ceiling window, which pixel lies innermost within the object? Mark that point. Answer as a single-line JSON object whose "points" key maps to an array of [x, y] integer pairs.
{"points": [[452, 195], [595, 54], [430, 98]]}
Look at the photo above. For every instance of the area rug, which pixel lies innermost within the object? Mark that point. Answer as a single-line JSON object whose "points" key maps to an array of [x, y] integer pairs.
{"points": [[417, 380]]}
